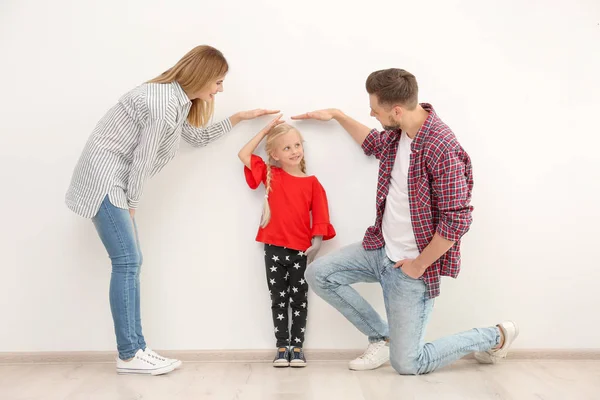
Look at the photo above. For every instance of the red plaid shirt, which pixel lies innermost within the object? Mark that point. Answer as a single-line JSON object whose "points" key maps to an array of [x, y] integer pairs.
{"points": [[440, 181]]}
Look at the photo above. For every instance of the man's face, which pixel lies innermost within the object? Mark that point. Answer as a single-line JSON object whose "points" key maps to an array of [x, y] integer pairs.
{"points": [[388, 116]]}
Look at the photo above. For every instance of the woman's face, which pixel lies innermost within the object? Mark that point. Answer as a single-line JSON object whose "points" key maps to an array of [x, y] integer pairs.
{"points": [[210, 91]]}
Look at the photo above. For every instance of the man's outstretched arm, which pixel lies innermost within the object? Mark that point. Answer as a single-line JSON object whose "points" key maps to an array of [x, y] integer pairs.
{"points": [[358, 131]]}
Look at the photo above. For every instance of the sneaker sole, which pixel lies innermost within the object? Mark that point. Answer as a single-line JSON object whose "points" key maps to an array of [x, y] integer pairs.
{"points": [[365, 367], [282, 364], [153, 372], [298, 364]]}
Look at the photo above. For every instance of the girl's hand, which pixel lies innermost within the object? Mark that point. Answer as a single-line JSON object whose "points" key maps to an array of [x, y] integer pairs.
{"points": [[312, 251], [245, 154], [272, 124], [251, 114]]}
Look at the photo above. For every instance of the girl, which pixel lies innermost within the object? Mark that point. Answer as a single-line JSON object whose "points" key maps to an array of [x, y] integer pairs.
{"points": [[134, 140], [290, 242]]}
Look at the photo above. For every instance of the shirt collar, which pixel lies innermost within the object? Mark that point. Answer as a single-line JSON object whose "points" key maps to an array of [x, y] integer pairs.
{"points": [[421, 136], [180, 94]]}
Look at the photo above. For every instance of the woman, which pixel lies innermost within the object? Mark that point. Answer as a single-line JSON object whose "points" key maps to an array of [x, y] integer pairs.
{"points": [[132, 142]]}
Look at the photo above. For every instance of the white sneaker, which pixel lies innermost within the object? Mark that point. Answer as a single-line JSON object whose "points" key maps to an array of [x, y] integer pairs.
{"points": [[154, 355], [375, 356], [142, 364], [510, 331]]}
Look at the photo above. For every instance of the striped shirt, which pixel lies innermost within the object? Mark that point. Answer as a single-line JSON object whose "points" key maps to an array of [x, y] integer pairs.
{"points": [[134, 140]]}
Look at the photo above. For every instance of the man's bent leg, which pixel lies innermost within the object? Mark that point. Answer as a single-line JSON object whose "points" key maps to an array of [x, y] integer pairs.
{"points": [[330, 277]]}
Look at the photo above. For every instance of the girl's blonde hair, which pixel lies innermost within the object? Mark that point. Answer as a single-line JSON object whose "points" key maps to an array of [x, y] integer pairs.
{"points": [[197, 69], [272, 136]]}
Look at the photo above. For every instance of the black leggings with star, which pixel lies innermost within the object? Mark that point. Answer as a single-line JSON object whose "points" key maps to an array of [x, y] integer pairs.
{"points": [[285, 278]]}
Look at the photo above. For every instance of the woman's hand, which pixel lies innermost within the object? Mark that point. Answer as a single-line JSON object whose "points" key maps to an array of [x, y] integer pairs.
{"points": [[251, 114]]}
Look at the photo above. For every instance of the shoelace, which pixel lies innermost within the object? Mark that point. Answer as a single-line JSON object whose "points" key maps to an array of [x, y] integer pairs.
{"points": [[146, 361], [371, 350], [281, 354], [155, 355], [298, 355]]}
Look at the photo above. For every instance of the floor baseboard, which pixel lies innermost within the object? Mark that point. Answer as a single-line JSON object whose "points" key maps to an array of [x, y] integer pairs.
{"points": [[263, 355]]}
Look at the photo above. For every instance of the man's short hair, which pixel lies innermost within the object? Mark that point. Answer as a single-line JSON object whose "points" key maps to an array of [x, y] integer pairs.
{"points": [[394, 86]]}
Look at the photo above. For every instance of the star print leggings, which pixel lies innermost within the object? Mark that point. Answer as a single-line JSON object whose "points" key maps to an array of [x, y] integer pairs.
{"points": [[285, 278]]}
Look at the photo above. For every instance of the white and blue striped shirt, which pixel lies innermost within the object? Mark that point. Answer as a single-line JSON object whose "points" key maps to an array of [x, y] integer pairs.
{"points": [[132, 142]]}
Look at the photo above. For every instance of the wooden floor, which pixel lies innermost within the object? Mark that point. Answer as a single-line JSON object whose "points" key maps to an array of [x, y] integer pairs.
{"points": [[519, 380]]}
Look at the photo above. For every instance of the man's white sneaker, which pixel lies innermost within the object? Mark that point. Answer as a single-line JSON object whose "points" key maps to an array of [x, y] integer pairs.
{"points": [[510, 331], [152, 354], [375, 356], [142, 364]]}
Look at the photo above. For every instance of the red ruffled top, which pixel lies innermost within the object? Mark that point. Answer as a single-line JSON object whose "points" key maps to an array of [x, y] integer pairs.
{"points": [[291, 200]]}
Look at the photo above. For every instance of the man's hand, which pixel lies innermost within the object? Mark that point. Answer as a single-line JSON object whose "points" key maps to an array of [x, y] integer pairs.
{"points": [[319, 115], [132, 212], [411, 268], [357, 130]]}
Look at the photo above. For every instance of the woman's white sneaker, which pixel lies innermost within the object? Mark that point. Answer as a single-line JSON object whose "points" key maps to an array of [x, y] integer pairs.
{"points": [[152, 354], [375, 356], [142, 364], [510, 331]]}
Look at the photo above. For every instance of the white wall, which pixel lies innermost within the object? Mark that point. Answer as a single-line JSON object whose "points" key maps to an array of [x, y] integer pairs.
{"points": [[517, 81]]}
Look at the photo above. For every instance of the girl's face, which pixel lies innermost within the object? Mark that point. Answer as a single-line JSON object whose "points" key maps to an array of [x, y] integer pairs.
{"points": [[288, 150]]}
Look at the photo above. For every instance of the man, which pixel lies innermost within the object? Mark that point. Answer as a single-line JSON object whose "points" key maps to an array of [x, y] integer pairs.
{"points": [[423, 210]]}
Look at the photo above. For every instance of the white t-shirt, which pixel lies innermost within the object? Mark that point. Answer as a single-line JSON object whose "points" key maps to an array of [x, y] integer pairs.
{"points": [[397, 227]]}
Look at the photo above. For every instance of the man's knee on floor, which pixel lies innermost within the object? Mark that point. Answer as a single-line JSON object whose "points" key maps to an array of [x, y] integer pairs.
{"points": [[405, 366]]}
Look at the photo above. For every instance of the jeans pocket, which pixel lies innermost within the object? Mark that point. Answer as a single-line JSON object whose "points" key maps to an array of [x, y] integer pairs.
{"points": [[408, 277]]}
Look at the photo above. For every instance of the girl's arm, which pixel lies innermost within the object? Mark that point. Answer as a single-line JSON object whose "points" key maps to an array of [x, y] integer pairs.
{"points": [[245, 153], [312, 251]]}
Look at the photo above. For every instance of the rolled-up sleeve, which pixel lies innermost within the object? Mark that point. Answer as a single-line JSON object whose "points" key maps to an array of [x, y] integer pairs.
{"points": [[199, 137], [452, 184], [373, 144]]}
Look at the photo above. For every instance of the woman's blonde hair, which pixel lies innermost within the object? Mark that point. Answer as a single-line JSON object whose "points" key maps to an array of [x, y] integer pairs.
{"points": [[198, 68], [272, 136]]}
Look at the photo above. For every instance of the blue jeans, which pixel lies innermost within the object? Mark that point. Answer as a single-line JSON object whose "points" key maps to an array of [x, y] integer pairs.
{"points": [[407, 308], [118, 233]]}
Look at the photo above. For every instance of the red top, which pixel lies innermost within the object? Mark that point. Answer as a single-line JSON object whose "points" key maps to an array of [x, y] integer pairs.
{"points": [[291, 201]]}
